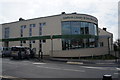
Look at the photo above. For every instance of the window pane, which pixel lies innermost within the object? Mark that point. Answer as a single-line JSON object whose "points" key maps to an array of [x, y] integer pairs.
{"points": [[75, 27], [6, 33], [66, 28]]}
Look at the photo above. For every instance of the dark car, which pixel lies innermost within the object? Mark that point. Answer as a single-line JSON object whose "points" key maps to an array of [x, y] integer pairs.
{"points": [[20, 52], [6, 52]]}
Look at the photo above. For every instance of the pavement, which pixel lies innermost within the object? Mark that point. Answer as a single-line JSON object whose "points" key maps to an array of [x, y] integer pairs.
{"points": [[80, 61]]}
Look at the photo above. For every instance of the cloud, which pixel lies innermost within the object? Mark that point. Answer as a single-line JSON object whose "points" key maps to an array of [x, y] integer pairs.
{"points": [[105, 10]]}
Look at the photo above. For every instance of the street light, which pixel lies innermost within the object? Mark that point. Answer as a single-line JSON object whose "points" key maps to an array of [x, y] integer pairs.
{"points": [[51, 45]]}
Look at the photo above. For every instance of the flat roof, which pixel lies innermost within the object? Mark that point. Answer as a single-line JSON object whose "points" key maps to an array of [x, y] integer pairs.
{"points": [[50, 16]]}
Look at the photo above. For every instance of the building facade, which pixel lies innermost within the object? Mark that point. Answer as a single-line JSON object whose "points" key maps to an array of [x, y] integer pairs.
{"points": [[80, 35]]}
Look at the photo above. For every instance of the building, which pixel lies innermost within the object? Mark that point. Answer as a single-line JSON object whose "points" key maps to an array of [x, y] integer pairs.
{"points": [[63, 35]]}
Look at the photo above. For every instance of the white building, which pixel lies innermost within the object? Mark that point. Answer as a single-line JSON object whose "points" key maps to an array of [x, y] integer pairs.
{"points": [[73, 35]]}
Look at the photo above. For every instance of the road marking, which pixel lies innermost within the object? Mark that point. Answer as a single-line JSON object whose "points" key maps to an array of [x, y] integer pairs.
{"points": [[11, 77], [74, 62], [6, 76], [96, 68], [39, 63], [116, 73], [9, 63], [102, 68], [61, 69], [105, 63], [118, 68]]}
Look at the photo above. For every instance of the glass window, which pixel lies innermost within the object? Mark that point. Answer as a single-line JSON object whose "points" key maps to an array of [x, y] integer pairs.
{"points": [[91, 42], [6, 33], [86, 30], [32, 25], [95, 29], [40, 29], [33, 41], [21, 30], [30, 31], [66, 29], [43, 24], [44, 41], [91, 29], [82, 24], [82, 30], [75, 27]]}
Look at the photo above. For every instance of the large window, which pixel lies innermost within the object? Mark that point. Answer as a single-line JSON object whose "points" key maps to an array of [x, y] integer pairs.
{"points": [[6, 33], [21, 33], [77, 27], [66, 28], [30, 34], [22, 30]]}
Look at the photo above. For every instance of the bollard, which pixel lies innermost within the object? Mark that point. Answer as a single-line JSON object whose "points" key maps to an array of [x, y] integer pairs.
{"points": [[107, 77]]}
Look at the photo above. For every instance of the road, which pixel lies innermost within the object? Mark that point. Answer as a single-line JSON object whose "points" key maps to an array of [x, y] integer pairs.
{"points": [[50, 69]]}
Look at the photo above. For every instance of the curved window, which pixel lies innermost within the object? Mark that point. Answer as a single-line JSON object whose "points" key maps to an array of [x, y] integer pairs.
{"points": [[78, 27], [75, 27], [66, 29]]}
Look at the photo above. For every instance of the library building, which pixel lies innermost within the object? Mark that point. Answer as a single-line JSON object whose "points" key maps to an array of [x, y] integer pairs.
{"points": [[63, 35]]}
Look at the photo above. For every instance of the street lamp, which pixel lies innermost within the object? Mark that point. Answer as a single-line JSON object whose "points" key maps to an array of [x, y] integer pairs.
{"points": [[51, 45]]}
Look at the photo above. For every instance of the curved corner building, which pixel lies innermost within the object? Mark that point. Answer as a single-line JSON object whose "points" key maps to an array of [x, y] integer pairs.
{"points": [[64, 35]]}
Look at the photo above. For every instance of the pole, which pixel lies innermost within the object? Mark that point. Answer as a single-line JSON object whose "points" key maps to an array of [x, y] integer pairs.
{"points": [[39, 49], [108, 46], [51, 46]]}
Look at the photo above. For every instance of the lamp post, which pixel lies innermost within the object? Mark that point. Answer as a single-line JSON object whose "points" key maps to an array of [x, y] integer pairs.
{"points": [[51, 45], [108, 46]]}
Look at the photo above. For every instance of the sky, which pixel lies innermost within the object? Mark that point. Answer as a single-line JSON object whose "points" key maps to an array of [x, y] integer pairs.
{"points": [[106, 11]]}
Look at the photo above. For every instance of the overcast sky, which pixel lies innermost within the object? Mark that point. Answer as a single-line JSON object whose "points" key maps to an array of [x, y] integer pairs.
{"points": [[105, 10]]}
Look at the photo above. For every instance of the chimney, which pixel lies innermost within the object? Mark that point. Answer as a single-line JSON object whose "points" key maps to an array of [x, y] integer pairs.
{"points": [[104, 29], [74, 13], [21, 19], [63, 13]]}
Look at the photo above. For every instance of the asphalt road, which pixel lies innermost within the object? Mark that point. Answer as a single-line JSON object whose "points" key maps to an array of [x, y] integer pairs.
{"points": [[50, 69]]}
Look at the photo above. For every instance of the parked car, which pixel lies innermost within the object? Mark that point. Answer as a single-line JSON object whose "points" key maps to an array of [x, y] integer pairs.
{"points": [[20, 52], [6, 52], [1, 49]]}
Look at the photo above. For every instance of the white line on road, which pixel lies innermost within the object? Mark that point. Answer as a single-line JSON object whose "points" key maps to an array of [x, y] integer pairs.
{"points": [[116, 73], [74, 62], [102, 68], [11, 77], [61, 69], [118, 68], [4, 76], [39, 63]]}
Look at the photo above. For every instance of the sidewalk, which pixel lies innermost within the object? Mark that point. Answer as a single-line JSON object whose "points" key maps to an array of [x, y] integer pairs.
{"points": [[79, 61]]}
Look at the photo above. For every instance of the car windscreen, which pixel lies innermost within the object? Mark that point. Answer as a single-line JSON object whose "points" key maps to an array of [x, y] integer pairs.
{"points": [[17, 49], [6, 48]]}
